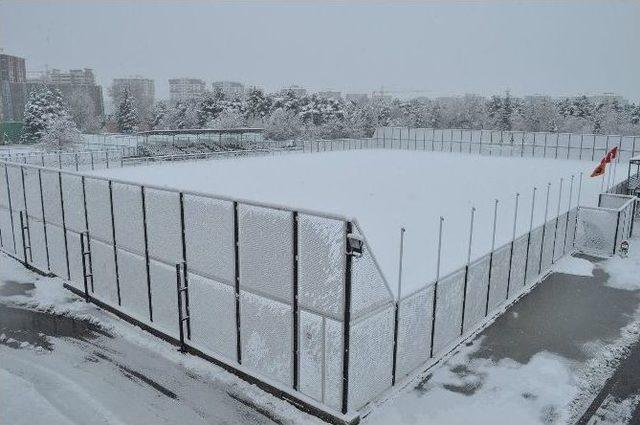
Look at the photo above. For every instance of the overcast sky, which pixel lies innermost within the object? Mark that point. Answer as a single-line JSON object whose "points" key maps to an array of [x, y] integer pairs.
{"points": [[432, 48]]}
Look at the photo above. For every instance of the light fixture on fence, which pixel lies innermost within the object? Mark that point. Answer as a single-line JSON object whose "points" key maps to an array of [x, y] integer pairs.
{"points": [[355, 245]]}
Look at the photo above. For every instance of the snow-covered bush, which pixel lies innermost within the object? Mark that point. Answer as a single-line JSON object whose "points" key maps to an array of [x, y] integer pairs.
{"points": [[126, 115], [227, 119], [60, 133]]}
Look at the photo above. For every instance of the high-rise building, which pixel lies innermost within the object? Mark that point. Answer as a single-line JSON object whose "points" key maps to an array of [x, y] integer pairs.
{"points": [[182, 89], [13, 77], [356, 97], [80, 92], [330, 94], [297, 90], [230, 89]]}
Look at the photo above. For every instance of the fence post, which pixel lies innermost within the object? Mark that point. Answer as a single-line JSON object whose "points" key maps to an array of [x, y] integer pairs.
{"points": [[181, 316], [555, 232], [13, 229], [64, 226], [115, 248], [544, 227], [615, 237], [296, 323], [575, 228], [185, 277], [493, 245], [435, 289], [557, 144], [566, 226], [466, 271], [346, 329], [397, 311], [85, 275], [236, 245], [146, 249], [44, 221], [526, 261], [25, 225], [513, 240]]}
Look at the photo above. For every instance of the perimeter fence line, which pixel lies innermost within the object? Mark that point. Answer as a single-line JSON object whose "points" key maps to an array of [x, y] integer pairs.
{"points": [[292, 300]]}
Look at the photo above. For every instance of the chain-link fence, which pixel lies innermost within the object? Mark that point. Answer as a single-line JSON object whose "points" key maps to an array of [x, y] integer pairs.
{"points": [[291, 299], [589, 147]]}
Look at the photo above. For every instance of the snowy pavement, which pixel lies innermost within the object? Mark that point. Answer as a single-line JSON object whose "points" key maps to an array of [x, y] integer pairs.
{"points": [[567, 352], [549, 359], [63, 361]]}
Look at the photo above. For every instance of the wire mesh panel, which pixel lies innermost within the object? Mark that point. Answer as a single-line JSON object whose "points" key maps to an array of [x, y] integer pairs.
{"points": [[209, 236], [163, 226], [267, 336], [621, 228], [104, 272], [563, 145], [98, 210], [38, 246], [266, 251], [128, 217], [4, 189], [15, 188], [212, 310], [477, 286], [333, 363], [132, 272], [518, 264], [448, 310], [596, 230], [75, 260], [533, 261], [576, 145], [499, 276], [571, 229], [164, 298], [57, 251], [370, 357], [6, 230], [613, 201], [321, 248], [549, 240], [73, 197], [559, 247], [32, 192], [369, 288], [312, 347], [414, 330], [51, 195]]}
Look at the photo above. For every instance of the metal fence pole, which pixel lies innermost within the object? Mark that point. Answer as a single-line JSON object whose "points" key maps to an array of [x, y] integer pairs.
{"points": [[44, 221], [185, 278], [526, 261], [64, 226], [296, 325], [435, 289], [13, 229], [544, 227], [115, 248], [346, 329], [513, 240], [493, 245], [566, 226], [555, 232], [397, 311], [236, 245], [466, 270], [146, 249]]}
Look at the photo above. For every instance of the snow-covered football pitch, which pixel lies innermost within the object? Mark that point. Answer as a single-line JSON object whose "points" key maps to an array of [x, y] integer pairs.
{"points": [[386, 190]]}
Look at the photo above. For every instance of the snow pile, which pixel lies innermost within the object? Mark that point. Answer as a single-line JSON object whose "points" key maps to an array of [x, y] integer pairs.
{"points": [[574, 265]]}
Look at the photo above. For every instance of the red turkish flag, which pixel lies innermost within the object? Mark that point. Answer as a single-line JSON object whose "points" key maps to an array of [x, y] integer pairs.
{"points": [[599, 170]]}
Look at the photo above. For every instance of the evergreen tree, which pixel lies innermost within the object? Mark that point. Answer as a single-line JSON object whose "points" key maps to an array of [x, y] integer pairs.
{"points": [[43, 106], [257, 105], [126, 115]]}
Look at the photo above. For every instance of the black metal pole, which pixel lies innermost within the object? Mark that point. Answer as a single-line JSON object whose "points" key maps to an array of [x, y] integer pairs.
{"points": [[183, 235], [146, 250], [236, 246], [13, 229], [44, 221], [64, 226], [115, 248], [346, 328], [296, 325]]}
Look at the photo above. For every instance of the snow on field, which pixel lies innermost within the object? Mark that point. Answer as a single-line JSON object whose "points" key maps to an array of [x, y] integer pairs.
{"points": [[386, 190]]}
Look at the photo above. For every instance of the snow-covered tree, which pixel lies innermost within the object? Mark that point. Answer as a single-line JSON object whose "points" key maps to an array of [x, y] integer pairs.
{"points": [[43, 106], [126, 115], [283, 125], [258, 105], [227, 119], [160, 116], [60, 133]]}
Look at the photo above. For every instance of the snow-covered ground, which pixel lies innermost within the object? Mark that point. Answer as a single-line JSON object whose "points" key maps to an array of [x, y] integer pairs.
{"points": [[544, 361], [387, 190], [63, 361]]}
